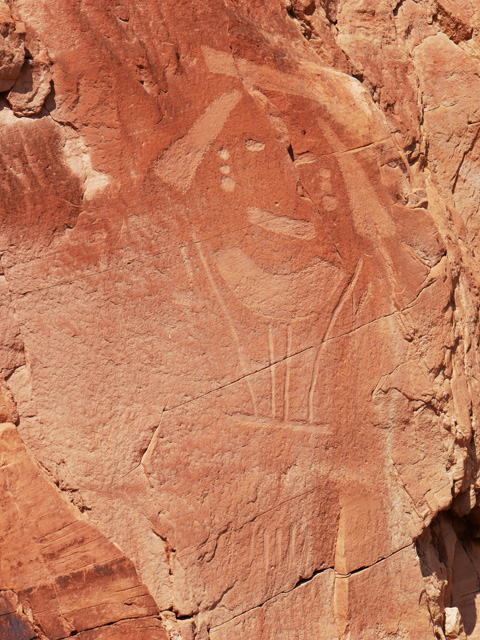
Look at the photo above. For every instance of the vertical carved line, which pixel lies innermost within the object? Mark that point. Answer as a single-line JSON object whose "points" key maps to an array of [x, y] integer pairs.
{"points": [[288, 372], [271, 348], [336, 312], [223, 306]]}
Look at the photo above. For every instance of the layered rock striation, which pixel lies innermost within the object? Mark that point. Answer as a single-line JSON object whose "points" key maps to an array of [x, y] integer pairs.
{"points": [[240, 280]]}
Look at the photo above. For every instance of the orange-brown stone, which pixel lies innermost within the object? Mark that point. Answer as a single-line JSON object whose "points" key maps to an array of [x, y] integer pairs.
{"points": [[240, 290]]}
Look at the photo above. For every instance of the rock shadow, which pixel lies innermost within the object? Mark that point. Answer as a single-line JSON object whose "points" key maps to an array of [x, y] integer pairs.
{"points": [[449, 553]]}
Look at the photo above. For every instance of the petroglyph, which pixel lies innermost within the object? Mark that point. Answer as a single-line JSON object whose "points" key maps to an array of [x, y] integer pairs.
{"points": [[254, 146], [286, 399], [264, 77], [221, 62], [227, 184], [370, 217], [226, 312], [224, 154], [321, 84], [282, 225], [273, 368], [290, 426], [305, 158], [329, 203], [277, 296], [180, 162], [316, 367], [283, 297], [324, 173]]}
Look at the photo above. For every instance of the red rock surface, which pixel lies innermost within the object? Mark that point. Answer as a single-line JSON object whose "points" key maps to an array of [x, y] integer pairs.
{"points": [[240, 296], [59, 575]]}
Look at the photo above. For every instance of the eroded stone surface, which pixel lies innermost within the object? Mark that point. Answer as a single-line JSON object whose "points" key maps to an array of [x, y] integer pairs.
{"points": [[59, 576], [12, 53], [28, 94], [239, 245]]}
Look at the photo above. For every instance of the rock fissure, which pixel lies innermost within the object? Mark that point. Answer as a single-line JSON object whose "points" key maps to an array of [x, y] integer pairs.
{"points": [[343, 576], [397, 7], [229, 530], [299, 583], [294, 355], [464, 157], [106, 626], [303, 581], [355, 149]]}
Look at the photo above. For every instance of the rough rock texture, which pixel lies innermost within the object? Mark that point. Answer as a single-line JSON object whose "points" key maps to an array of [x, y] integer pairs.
{"points": [[27, 96], [12, 51], [59, 575], [240, 297]]}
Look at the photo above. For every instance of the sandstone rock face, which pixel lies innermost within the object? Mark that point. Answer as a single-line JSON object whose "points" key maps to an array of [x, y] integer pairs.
{"points": [[59, 576], [27, 96], [12, 51], [239, 334]]}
